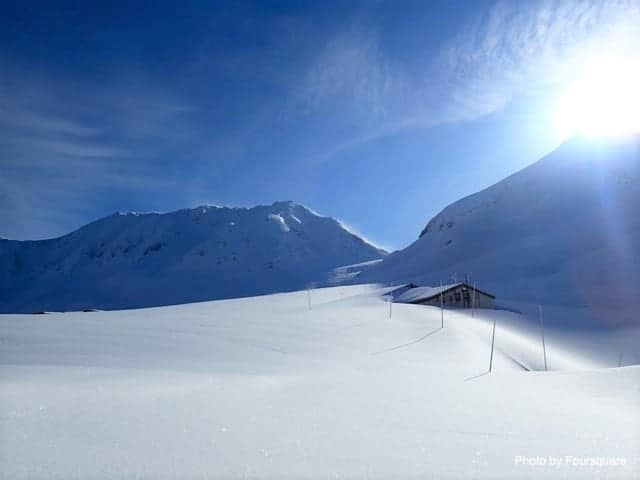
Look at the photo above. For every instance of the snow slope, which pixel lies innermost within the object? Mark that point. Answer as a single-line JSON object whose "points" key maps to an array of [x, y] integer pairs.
{"points": [[265, 388], [564, 232], [135, 260]]}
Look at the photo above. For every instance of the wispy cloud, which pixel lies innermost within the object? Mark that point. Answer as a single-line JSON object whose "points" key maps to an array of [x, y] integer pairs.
{"points": [[63, 143], [22, 119], [350, 70], [69, 148], [514, 48]]}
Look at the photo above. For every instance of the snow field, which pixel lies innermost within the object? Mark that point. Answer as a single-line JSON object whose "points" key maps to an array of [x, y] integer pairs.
{"points": [[265, 387]]}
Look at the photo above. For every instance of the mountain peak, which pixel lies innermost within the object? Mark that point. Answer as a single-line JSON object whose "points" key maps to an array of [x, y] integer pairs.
{"points": [[202, 253], [284, 204]]}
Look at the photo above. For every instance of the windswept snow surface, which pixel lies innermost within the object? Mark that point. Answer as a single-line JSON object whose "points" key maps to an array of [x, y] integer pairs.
{"points": [[344, 273], [263, 387], [205, 253], [563, 232]]}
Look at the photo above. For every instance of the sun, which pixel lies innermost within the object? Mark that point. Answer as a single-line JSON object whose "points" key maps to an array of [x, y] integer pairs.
{"points": [[604, 101]]}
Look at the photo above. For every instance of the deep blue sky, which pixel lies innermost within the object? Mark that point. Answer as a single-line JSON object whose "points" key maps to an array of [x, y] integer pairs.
{"points": [[377, 113]]}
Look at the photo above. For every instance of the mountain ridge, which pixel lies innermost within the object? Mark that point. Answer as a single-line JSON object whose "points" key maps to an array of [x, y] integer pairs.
{"points": [[128, 260], [563, 231]]}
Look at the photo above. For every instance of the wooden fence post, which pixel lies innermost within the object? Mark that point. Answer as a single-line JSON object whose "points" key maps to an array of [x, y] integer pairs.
{"points": [[493, 339], [544, 347]]}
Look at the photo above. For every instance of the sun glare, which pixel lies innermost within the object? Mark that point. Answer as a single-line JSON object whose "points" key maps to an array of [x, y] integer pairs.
{"points": [[604, 101]]}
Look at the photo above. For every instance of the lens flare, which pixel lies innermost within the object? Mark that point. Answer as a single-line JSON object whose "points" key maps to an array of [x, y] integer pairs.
{"points": [[604, 101]]}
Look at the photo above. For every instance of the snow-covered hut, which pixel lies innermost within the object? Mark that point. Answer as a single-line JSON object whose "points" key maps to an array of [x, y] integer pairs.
{"points": [[460, 295]]}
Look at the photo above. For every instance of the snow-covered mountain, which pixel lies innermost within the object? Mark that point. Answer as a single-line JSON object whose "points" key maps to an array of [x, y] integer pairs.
{"points": [[134, 260], [563, 232]]}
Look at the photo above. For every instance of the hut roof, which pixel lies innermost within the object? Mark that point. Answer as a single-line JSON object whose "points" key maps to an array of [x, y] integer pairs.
{"points": [[419, 294]]}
